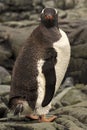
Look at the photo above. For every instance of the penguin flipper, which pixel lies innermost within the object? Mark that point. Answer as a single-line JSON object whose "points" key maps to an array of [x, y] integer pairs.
{"points": [[48, 70]]}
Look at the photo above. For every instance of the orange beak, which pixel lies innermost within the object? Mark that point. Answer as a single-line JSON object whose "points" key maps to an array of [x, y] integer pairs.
{"points": [[49, 17]]}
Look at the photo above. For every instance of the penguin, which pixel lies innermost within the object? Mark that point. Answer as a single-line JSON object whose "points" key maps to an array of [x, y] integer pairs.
{"points": [[40, 68]]}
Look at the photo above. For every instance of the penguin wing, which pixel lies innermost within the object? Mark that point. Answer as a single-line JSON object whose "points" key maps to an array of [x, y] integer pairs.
{"points": [[48, 70]]}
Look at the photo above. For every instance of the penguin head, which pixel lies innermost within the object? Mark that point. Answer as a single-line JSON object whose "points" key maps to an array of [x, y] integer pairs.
{"points": [[49, 17]]}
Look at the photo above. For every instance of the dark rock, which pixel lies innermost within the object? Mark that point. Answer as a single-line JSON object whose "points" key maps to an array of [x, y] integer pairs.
{"points": [[3, 110], [84, 89], [38, 5], [5, 48], [82, 51], [3, 7], [78, 70]]}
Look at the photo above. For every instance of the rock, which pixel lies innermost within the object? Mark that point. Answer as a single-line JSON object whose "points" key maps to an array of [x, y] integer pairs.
{"points": [[3, 7], [38, 5], [17, 36], [70, 117], [22, 24], [5, 98], [65, 4], [14, 16], [56, 102], [16, 5], [69, 4], [80, 3], [34, 17], [73, 116], [73, 96], [85, 3], [82, 51], [4, 89], [3, 110], [7, 80], [84, 90], [78, 70], [69, 82], [5, 77], [59, 4], [28, 126], [4, 56], [62, 14], [49, 3], [69, 96], [5, 48]]}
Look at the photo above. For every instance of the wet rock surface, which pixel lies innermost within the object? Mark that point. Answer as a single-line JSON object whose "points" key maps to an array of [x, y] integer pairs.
{"points": [[18, 18]]}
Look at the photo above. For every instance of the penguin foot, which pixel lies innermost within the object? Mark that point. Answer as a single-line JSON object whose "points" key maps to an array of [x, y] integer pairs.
{"points": [[18, 109], [42, 118], [33, 117]]}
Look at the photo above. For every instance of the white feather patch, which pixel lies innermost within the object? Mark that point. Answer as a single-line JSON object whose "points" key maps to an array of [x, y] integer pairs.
{"points": [[41, 90], [62, 47]]}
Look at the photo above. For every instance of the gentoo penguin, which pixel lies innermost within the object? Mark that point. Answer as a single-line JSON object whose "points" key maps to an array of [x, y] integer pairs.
{"points": [[40, 68]]}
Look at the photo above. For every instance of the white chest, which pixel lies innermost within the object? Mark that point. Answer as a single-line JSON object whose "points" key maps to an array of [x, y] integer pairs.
{"points": [[62, 48]]}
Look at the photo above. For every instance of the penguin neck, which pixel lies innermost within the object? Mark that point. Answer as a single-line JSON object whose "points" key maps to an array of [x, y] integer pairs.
{"points": [[53, 34], [49, 28]]}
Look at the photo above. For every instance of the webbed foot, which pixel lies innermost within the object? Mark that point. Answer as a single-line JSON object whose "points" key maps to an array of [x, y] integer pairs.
{"points": [[33, 117], [49, 119]]}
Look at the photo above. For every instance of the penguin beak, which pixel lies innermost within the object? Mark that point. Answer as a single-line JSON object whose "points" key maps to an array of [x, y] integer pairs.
{"points": [[49, 17]]}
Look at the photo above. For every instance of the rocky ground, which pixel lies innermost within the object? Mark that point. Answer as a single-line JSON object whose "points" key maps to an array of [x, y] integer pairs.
{"points": [[69, 104], [17, 20]]}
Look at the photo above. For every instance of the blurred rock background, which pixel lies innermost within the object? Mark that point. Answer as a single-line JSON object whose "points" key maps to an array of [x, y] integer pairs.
{"points": [[19, 17], [17, 20]]}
